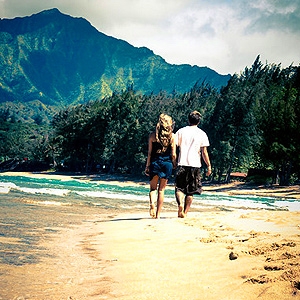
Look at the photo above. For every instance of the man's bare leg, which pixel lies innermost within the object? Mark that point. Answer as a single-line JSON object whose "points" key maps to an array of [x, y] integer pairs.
{"points": [[187, 203], [179, 199]]}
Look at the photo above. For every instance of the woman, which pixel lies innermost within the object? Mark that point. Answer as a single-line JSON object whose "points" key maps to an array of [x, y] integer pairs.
{"points": [[160, 161]]}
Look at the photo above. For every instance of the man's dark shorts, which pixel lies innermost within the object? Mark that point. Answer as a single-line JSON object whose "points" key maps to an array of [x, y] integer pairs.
{"points": [[188, 180]]}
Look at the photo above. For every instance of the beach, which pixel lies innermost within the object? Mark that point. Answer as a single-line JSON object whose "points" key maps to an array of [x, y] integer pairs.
{"points": [[213, 253]]}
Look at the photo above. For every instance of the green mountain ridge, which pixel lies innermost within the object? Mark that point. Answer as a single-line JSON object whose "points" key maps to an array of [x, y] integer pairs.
{"points": [[60, 60]]}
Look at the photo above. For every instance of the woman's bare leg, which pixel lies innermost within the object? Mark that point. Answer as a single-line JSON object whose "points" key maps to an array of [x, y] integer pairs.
{"points": [[161, 196], [152, 195]]}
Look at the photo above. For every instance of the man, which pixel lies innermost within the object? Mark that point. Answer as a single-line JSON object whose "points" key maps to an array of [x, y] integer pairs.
{"points": [[192, 143]]}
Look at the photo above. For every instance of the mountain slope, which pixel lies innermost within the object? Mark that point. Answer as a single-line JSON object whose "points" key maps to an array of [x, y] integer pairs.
{"points": [[61, 60]]}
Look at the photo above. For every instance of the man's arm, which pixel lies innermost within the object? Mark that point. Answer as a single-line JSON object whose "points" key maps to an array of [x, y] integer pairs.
{"points": [[173, 149], [206, 159]]}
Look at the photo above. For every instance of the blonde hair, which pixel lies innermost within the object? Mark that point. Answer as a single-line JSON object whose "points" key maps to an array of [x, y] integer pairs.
{"points": [[163, 132]]}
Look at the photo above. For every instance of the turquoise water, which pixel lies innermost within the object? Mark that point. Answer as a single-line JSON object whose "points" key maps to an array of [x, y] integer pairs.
{"points": [[51, 192]]}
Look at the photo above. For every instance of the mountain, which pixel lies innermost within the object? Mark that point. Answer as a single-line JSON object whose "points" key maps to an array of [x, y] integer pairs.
{"points": [[55, 59]]}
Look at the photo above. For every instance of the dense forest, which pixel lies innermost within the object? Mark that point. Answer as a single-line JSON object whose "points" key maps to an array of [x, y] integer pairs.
{"points": [[253, 123]]}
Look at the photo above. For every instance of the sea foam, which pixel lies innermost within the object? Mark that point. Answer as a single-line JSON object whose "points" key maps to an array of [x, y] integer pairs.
{"points": [[56, 192], [5, 187]]}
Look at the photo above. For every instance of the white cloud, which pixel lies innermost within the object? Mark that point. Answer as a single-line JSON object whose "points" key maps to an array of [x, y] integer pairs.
{"points": [[225, 35]]}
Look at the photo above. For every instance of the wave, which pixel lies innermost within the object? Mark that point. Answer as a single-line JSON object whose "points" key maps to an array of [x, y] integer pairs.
{"points": [[75, 192], [248, 202], [5, 187], [55, 192], [46, 202], [111, 195]]}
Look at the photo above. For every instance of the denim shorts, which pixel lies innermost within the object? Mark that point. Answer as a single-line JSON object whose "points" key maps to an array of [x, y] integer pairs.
{"points": [[162, 167]]}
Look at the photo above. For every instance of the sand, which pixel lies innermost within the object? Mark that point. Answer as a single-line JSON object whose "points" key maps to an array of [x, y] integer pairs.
{"points": [[135, 257], [236, 254]]}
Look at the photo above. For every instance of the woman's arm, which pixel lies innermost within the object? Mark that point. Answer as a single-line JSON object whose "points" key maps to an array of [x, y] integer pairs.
{"points": [[150, 140]]}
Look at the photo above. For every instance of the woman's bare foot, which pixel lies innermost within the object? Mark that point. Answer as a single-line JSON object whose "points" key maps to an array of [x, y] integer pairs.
{"points": [[180, 212], [152, 211]]}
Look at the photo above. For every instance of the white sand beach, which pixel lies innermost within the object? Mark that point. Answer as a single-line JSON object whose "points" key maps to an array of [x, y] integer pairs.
{"points": [[135, 257]]}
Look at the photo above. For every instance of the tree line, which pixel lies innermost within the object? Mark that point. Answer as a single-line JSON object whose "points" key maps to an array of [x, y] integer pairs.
{"points": [[252, 123]]}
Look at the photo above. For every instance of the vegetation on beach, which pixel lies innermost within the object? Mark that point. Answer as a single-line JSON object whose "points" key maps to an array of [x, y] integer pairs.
{"points": [[253, 122]]}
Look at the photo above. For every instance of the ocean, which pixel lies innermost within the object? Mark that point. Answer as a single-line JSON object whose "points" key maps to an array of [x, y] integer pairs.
{"points": [[49, 192], [34, 208]]}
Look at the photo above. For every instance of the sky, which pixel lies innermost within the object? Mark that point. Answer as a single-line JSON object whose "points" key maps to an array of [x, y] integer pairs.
{"points": [[224, 35]]}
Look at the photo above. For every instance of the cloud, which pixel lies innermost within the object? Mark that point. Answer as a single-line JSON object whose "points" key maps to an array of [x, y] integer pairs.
{"points": [[280, 15], [225, 35]]}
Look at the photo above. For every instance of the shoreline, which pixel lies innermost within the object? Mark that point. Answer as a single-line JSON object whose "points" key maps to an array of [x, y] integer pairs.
{"points": [[233, 188]]}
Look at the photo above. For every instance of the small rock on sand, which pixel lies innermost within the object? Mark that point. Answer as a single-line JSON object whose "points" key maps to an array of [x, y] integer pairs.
{"points": [[233, 256]]}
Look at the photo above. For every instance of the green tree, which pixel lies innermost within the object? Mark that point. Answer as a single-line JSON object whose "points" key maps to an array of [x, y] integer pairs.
{"points": [[20, 140], [279, 122], [72, 137], [233, 126], [120, 120]]}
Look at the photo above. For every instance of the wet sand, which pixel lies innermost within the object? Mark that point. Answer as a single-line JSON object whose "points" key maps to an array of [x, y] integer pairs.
{"points": [[135, 257], [234, 254]]}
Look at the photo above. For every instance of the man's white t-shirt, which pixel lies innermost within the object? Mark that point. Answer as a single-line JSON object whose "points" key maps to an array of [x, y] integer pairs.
{"points": [[190, 139]]}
